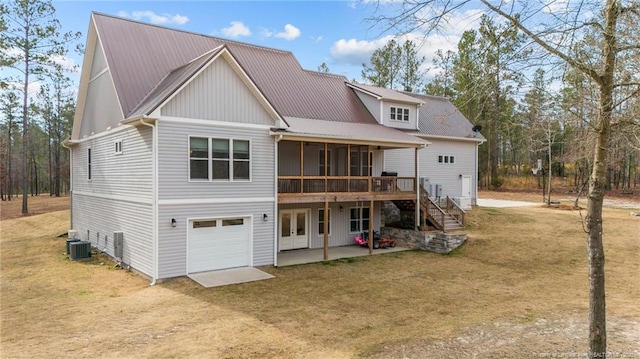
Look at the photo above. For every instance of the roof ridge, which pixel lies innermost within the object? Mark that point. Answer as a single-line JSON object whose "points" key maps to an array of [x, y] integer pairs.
{"points": [[328, 74], [192, 33]]}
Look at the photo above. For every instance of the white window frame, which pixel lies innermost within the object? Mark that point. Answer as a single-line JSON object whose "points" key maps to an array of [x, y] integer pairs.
{"points": [[210, 159], [399, 114], [359, 220], [117, 147], [446, 160], [321, 220], [89, 164]]}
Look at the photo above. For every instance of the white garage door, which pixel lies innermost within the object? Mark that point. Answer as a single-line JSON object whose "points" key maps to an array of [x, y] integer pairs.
{"points": [[218, 244]]}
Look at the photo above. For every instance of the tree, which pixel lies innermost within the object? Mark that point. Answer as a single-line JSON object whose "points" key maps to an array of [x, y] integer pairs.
{"points": [[394, 64], [9, 106], [442, 83], [323, 68], [554, 32], [31, 45]]}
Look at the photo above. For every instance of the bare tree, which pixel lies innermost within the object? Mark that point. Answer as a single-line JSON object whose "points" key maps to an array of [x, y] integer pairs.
{"points": [[555, 27], [31, 45]]}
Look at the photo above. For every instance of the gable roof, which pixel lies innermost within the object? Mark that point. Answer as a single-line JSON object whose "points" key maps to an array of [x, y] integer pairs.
{"points": [[382, 93], [146, 58], [439, 117]]}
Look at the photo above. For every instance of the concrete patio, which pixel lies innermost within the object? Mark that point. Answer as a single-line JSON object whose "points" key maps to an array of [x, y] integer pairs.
{"points": [[302, 256]]}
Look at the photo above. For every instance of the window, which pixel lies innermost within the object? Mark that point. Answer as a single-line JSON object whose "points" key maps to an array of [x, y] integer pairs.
{"points": [[446, 159], [219, 159], [117, 147], [399, 114], [233, 222], [358, 219], [88, 163], [321, 221], [204, 224]]}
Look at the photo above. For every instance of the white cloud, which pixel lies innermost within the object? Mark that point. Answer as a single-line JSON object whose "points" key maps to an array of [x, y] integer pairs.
{"points": [[290, 32], [555, 6], [154, 18], [236, 29], [356, 52], [67, 63], [318, 38]]}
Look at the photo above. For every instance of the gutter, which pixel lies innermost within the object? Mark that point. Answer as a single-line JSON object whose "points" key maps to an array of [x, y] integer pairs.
{"points": [[66, 144], [154, 195]]}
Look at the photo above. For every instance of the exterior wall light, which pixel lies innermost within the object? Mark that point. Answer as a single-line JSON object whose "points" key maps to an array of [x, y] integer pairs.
{"points": [[173, 222]]}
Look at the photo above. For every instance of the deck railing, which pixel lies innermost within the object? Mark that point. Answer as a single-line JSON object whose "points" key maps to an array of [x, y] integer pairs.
{"points": [[345, 184], [456, 211]]}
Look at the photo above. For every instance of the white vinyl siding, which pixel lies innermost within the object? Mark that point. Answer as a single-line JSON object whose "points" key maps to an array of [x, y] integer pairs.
{"points": [[172, 247], [341, 234], [99, 62], [409, 125], [445, 174], [119, 195], [372, 104], [173, 162], [219, 94]]}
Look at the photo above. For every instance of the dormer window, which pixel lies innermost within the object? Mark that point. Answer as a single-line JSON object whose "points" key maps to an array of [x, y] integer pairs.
{"points": [[399, 114]]}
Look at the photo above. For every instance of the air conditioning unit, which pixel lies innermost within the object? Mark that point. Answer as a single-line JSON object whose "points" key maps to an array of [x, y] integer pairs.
{"points": [[79, 250], [118, 240]]}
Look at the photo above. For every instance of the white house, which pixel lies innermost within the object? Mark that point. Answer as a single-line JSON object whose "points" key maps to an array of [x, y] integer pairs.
{"points": [[210, 154]]}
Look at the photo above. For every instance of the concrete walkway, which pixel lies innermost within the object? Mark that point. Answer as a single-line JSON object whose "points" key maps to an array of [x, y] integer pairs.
{"points": [[303, 256], [219, 278], [500, 203]]}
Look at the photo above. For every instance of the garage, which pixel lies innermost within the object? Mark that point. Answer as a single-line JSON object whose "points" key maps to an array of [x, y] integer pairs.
{"points": [[218, 244]]}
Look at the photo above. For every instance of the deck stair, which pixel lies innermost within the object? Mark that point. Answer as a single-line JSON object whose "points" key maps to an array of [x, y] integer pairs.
{"points": [[446, 216]]}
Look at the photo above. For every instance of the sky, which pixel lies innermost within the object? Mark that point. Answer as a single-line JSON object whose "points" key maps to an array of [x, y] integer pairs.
{"points": [[337, 33]]}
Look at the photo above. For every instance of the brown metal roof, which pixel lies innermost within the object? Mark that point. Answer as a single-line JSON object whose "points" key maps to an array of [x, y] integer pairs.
{"points": [[440, 117], [148, 61], [352, 132], [387, 94]]}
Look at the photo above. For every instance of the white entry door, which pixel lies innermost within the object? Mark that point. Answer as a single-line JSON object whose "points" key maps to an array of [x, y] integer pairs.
{"points": [[294, 229], [466, 186]]}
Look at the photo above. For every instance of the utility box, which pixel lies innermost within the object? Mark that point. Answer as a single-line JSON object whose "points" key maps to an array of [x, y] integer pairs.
{"points": [[118, 243], [438, 189]]}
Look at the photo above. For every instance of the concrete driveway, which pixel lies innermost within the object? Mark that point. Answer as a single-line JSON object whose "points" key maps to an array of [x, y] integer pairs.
{"points": [[501, 203]]}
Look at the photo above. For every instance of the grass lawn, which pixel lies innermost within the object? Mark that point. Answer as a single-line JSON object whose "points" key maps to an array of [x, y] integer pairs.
{"points": [[517, 287]]}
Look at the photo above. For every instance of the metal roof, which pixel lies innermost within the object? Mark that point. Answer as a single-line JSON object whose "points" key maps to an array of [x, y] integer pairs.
{"points": [[440, 117], [386, 94], [149, 61], [353, 132]]}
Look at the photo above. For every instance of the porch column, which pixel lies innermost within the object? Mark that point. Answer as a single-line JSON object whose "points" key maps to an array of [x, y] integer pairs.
{"points": [[417, 185], [371, 227], [326, 228], [301, 166]]}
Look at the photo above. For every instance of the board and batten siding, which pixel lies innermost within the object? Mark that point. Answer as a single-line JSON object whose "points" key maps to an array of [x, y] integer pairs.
{"points": [[172, 241], [173, 162], [371, 103], [340, 234], [101, 109], [219, 94], [119, 195], [445, 174], [386, 115]]}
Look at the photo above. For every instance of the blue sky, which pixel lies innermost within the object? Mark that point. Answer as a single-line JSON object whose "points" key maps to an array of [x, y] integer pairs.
{"points": [[334, 32]]}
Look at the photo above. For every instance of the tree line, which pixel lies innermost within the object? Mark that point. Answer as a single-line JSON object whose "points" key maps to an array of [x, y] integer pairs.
{"points": [[531, 114], [37, 102]]}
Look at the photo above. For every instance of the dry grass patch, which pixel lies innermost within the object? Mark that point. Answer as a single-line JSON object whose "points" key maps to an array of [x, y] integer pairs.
{"points": [[36, 205], [521, 267]]}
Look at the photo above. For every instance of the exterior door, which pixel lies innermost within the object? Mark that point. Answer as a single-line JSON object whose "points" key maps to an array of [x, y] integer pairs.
{"points": [[214, 244], [466, 186], [294, 229]]}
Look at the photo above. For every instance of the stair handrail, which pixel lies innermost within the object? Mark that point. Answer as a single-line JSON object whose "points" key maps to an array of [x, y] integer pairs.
{"points": [[456, 211], [429, 204]]}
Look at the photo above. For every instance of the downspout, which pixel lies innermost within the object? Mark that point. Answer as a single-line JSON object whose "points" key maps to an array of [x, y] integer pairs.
{"points": [[417, 179], [154, 199], [64, 144], [276, 217]]}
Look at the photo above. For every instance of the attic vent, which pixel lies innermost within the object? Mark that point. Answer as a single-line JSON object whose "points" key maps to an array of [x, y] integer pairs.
{"points": [[79, 250]]}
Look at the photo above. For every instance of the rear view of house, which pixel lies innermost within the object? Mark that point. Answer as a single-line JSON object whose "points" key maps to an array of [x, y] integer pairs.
{"points": [[210, 154]]}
